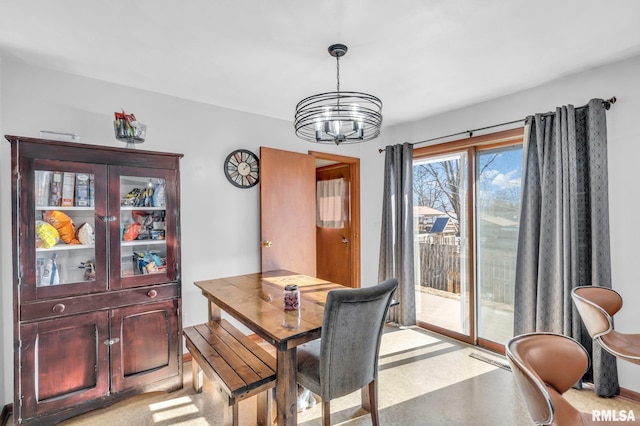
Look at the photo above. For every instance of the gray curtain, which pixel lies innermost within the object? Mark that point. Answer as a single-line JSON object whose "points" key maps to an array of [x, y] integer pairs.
{"points": [[396, 241], [564, 227]]}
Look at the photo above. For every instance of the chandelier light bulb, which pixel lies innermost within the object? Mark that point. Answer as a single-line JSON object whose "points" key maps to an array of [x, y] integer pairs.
{"points": [[336, 128]]}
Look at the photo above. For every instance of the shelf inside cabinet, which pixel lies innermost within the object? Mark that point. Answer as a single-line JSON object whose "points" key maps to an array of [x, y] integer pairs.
{"points": [[65, 208], [143, 242], [66, 247], [131, 208]]}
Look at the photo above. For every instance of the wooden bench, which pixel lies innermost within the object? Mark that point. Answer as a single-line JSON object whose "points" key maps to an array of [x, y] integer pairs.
{"points": [[236, 363]]}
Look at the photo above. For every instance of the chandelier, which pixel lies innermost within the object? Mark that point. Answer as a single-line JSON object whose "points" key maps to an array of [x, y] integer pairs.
{"points": [[338, 117]]}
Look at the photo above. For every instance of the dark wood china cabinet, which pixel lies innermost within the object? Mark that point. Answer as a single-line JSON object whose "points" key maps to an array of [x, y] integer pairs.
{"points": [[96, 276]]}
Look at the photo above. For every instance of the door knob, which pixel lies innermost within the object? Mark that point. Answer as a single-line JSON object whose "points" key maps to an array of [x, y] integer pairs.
{"points": [[344, 240], [266, 244]]}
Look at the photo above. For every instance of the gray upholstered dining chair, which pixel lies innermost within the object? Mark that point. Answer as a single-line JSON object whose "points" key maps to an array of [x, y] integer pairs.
{"points": [[597, 306], [345, 358]]}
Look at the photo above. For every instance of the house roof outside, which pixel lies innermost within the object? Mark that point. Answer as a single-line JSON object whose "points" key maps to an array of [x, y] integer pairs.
{"points": [[426, 211]]}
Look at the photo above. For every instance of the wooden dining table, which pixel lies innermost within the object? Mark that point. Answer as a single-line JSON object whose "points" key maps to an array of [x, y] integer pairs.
{"points": [[256, 301]]}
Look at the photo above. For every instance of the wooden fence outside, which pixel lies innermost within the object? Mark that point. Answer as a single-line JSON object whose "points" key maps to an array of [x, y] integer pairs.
{"points": [[440, 269]]}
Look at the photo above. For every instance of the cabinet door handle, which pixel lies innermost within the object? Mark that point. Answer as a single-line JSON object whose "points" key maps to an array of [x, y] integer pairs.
{"points": [[107, 219], [110, 342], [152, 294], [58, 308]]}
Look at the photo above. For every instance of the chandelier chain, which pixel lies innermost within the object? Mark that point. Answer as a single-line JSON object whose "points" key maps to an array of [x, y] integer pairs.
{"points": [[338, 73]]}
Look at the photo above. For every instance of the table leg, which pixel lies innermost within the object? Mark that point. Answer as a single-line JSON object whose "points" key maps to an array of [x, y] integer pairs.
{"points": [[215, 313], [287, 387]]}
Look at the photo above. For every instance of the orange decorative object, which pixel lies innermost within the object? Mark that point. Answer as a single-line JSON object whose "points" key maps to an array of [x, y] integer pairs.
{"points": [[63, 224]]}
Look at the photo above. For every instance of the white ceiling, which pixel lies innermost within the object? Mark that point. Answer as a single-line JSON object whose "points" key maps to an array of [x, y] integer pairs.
{"points": [[421, 57]]}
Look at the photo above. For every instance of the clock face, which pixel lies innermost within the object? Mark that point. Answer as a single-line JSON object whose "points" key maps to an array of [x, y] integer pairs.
{"points": [[241, 168]]}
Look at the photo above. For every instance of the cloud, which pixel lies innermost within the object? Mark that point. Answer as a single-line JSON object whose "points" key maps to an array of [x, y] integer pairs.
{"points": [[506, 180]]}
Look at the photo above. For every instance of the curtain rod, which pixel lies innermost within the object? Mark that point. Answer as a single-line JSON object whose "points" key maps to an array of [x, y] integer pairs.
{"points": [[606, 103]]}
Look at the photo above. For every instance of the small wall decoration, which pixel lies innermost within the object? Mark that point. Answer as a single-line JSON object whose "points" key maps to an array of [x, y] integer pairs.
{"points": [[241, 168]]}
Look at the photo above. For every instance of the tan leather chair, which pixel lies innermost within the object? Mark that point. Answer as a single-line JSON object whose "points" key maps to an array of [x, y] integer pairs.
{"points": [[545, 366], [597, 306]]}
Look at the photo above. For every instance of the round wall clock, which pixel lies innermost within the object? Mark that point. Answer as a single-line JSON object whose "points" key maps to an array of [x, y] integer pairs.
{"points": [[241, 168]]}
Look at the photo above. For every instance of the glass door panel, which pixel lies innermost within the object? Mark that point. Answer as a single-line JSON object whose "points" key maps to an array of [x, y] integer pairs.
{"points": [[68, 256], [142, 221], [441, 242], [498, 179], [146, 218]]}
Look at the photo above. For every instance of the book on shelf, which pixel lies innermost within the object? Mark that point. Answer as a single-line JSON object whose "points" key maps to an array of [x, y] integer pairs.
{"points": [[55, 192], [68, 188], [83, 182]]}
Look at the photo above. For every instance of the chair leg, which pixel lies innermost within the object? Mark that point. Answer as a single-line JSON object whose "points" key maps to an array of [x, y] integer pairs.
{"points": [[326, 413], [373, 402], [365, 399]]}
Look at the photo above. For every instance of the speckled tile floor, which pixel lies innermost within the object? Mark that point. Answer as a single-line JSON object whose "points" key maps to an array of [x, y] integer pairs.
{"points": [[425, 379]]}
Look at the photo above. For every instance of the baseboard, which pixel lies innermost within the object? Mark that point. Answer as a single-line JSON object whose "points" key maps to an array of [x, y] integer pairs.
{"points": [[626, 394], [6, 413], [630, 395]]}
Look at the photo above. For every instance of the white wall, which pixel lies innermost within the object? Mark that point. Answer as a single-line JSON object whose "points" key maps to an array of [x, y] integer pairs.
{"points": [[619, 79], [220, 223]]}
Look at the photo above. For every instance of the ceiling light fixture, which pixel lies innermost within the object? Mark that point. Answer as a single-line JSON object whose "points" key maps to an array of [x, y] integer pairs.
{"points": [[338, 117]]}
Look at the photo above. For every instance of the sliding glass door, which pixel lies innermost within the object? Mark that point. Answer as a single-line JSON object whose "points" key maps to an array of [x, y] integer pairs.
{"points": [[497, 212], [466, 215], [441, 229]]}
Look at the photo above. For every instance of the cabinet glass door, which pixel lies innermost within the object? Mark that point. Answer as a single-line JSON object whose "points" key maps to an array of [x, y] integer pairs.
{"points": [[146, 223], [66, 228]]}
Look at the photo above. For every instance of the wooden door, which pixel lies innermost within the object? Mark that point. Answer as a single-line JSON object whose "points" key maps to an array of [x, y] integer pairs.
{"points": [[287, 211], [333, 245]]}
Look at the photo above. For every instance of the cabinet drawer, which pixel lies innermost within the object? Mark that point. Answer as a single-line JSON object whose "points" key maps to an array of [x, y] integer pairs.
{"points": [[53, 308]]}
